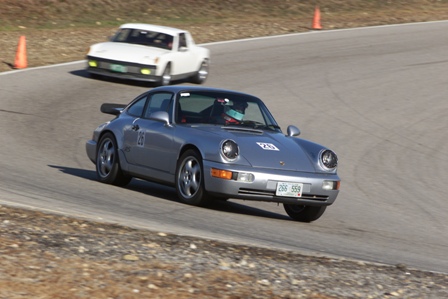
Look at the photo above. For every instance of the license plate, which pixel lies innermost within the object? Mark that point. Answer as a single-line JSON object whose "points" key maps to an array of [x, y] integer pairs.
{"points": [[289, 189], [118, 68]]}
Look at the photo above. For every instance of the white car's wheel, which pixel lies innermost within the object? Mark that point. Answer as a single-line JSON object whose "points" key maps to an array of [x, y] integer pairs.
{"points": [[166, 76], [304, 213], [202, 74]]}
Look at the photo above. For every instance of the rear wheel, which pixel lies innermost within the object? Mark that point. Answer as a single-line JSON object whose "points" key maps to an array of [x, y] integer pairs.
{"points": [[202, 73], [190, 179], [304, 213], [107, 163]]}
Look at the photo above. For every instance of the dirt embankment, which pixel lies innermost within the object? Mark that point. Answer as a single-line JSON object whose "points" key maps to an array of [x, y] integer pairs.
{"points": [[62, 31]]}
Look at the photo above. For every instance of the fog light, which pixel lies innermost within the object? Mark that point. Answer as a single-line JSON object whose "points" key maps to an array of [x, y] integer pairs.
{"points": [[145, 71], [93, 63], [245, 177], [331, 185]]}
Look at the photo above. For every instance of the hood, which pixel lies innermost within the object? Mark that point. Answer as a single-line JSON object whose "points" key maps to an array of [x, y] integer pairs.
{"points": [[126, 52], [264, 149]]}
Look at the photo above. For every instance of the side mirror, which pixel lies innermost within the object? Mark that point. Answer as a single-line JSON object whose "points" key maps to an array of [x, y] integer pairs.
{"points": [[111, 108], [292, 131], [161, 116]]}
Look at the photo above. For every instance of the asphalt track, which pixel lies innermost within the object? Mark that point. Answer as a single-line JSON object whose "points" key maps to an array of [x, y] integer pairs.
{"points": [[377, 96]]}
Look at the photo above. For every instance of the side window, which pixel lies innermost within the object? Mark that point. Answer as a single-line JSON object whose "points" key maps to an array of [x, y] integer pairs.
{"points": [[137, 108], [159, 102], [121, 35], [182, 40]]}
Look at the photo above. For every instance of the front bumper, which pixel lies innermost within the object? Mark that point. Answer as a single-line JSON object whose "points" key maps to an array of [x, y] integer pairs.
{"points": [[265, 182], [122, 70]]}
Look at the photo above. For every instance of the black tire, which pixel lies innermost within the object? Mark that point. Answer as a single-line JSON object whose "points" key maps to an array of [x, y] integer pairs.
{"points": [[304, 213], [166, 76], [202, 74], [190, 179], [108, 167]]}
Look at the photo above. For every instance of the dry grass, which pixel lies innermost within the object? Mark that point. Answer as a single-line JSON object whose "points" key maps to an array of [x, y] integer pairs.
{"points": [[64, 14], [61, 31]]}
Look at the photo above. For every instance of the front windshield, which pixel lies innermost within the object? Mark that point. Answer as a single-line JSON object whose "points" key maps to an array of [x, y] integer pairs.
{"points": [[224, 108], [144, 37]]}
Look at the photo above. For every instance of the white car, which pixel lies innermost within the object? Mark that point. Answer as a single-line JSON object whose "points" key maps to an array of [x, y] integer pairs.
{"points": [[150, 53]]}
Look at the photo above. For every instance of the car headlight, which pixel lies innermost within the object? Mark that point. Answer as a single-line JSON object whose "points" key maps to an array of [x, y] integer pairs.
{"points": [[230, 150], [328, 159]]}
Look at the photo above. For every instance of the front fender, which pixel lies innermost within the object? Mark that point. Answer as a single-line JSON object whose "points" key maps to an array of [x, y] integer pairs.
{"points": [[208, 144], [313, 150]]}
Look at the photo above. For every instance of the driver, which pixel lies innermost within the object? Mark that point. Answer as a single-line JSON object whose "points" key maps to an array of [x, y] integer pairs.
{"points": [[234, 114]]}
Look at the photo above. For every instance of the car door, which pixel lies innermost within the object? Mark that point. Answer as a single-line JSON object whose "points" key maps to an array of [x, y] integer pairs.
{"points": [[132, 135], [152, 146]]}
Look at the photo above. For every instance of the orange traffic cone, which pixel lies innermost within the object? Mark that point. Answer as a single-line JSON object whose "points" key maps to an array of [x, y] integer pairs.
{"points": [[316, 19], [21, 62]]}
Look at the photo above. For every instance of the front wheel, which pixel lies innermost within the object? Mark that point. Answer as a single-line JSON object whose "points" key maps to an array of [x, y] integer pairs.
{"points": [[190, 179], [107, 163], [202, 74], [304, 213], [166, 76]]}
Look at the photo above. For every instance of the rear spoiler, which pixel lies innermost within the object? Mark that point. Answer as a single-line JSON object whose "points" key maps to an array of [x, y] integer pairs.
{"points": [[111, 108]]}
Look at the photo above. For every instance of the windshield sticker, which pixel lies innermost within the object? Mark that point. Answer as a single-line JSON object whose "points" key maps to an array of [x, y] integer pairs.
{"points": [[268, 146], [185, 94]]}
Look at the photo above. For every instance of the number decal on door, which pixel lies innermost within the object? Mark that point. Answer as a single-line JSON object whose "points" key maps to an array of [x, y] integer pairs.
{"points": [[141, 138]]}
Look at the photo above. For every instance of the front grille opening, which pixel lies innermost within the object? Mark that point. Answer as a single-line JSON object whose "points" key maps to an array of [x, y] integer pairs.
{"points": [[272, 194]]}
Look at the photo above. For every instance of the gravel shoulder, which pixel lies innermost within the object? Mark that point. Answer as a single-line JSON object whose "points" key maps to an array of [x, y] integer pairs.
{"points": [[52, 256]]}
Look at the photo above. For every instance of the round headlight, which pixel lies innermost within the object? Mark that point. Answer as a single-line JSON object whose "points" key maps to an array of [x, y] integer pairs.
{"points": [[229, 150], [329, 159]]}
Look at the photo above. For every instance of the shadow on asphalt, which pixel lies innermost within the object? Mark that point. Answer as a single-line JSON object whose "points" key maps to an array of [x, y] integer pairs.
{"points": [[85, 74], [169, 193]]}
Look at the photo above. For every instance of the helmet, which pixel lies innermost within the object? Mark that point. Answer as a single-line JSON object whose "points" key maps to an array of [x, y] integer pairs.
{"points": [[235, 113]]}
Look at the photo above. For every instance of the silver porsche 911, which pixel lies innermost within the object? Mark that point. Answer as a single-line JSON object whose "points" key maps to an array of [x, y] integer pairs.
{"points": [[214, 144]]}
